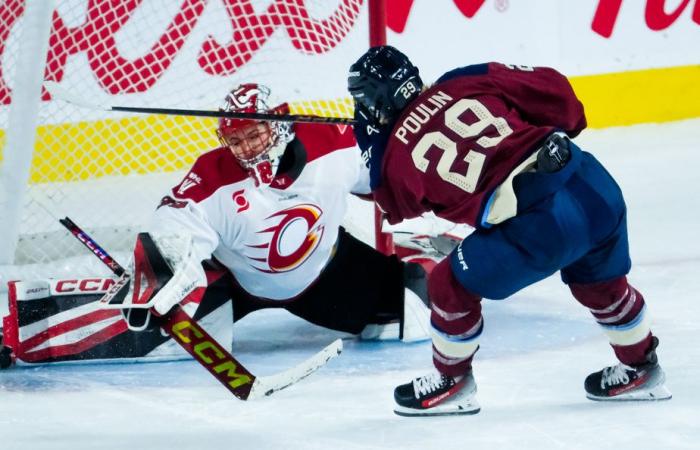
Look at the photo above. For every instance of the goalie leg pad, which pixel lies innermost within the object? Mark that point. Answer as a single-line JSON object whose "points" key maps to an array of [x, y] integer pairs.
{"points": [[413, 327], [62, 320], [414, 323]]}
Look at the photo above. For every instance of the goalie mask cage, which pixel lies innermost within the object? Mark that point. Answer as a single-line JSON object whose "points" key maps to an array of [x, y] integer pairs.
{"points": [[108, 170]]}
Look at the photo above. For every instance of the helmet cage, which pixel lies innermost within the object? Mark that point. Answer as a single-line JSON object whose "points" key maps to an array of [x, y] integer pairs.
{"points": [[254, 98], [384, 81]]}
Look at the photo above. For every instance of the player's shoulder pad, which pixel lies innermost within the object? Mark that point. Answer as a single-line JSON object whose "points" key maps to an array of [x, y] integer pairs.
{"points": [[466, 71], [211, 171], [323, 139]]}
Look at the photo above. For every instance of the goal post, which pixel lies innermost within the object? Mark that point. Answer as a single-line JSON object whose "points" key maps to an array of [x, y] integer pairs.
{"points": [[105, 167], [377, 36], [19, 133]]}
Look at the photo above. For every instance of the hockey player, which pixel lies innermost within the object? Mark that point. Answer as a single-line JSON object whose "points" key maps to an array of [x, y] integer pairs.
{"points": [[256, 221], [489, 145], [267, 206]]}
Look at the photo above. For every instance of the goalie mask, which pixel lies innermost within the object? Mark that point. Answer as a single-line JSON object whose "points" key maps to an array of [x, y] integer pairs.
{"points": [[257, 145]]}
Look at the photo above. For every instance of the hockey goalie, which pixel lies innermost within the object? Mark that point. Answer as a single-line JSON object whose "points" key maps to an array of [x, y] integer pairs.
{"points": [[254, 224]]}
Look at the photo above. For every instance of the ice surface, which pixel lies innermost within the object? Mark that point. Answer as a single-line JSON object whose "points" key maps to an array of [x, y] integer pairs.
{"points": [[537, 348]]}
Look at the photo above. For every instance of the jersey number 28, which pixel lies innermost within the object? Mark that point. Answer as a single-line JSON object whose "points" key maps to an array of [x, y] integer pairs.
{"points": [[475, 160]]}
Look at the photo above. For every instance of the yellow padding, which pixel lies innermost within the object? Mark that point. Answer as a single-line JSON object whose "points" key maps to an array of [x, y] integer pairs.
{"points": [[627, 98], [136, 145], [133, 145], [341, 107]]}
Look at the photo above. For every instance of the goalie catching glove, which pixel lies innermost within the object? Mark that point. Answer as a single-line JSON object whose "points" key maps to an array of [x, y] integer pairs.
{"points": [[164, 273]]}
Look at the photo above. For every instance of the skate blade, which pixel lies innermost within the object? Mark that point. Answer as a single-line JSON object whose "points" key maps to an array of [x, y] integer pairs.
{"points": [[446, 410], [657, 393]]}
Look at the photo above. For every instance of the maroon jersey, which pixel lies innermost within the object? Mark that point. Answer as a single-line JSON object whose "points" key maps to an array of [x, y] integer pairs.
{"points": [[463, 138]]}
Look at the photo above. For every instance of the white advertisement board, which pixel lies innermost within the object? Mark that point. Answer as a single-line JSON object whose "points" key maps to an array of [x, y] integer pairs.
{"points": [[578, 37]]}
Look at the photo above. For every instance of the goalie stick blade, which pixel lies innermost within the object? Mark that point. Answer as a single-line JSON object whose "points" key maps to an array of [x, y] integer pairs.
{"points": [[264, 386]]}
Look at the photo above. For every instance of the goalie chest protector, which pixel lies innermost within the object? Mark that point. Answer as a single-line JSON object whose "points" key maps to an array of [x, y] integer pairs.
{"points": [[275, 239]]}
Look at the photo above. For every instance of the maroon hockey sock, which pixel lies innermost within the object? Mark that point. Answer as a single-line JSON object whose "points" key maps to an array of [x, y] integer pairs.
{"points": [[615, 303]]}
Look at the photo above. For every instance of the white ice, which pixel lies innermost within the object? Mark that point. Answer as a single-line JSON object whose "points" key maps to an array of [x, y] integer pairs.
{"points": [[536, 350]]}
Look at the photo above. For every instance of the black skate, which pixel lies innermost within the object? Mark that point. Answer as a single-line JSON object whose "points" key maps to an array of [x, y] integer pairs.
{"points": [[437, 395], [622, 382]]}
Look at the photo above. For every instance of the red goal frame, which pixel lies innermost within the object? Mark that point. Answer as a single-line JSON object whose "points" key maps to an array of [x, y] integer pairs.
{"points": [[377, 36]]}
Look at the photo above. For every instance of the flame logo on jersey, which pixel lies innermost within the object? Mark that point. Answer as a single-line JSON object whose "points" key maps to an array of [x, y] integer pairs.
{"points": [[294, 238]]}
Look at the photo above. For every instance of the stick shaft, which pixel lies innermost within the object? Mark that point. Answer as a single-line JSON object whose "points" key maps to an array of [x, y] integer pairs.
{"points": [[88, 242], [238, 115], [59, 93]]}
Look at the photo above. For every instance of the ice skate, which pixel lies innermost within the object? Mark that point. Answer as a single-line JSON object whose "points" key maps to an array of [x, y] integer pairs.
{"points": [[437, 395], [624, 383]]}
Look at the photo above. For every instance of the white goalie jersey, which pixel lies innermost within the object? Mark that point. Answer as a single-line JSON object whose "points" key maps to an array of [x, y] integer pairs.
{"points": [[275, 239]]}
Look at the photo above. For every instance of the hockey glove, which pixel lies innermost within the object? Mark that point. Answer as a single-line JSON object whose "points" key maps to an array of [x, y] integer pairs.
{"points": [[554, 153], [164, 273], [372, 138]]}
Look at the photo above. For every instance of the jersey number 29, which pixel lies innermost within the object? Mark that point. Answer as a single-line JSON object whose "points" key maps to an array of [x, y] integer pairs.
{"points": [[475, 160]]}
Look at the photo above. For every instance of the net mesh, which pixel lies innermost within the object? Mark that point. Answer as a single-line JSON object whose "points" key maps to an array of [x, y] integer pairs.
{"points": [[107, 170]]}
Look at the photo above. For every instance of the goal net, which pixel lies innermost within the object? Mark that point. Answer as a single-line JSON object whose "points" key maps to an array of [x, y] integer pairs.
{"points": [[107, 171]]}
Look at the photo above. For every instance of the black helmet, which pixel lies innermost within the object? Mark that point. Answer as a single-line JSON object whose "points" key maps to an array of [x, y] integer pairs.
{"points": [[384, 81]]}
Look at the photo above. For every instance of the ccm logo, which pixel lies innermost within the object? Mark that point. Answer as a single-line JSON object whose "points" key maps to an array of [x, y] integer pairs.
{"points": [[209, 353], [86, 285]]}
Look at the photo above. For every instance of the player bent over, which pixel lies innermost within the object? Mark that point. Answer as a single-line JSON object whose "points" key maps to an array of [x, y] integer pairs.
{"points": [[489, 145], [267, 206]]}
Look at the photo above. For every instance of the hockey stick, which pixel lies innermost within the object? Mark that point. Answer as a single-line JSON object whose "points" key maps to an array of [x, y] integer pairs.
{"points": [[57, 92], [205, 349]]}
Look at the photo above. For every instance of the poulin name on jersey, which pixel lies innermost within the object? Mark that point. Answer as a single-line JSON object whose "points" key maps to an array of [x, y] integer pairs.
{"points": [[420, 115]]}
